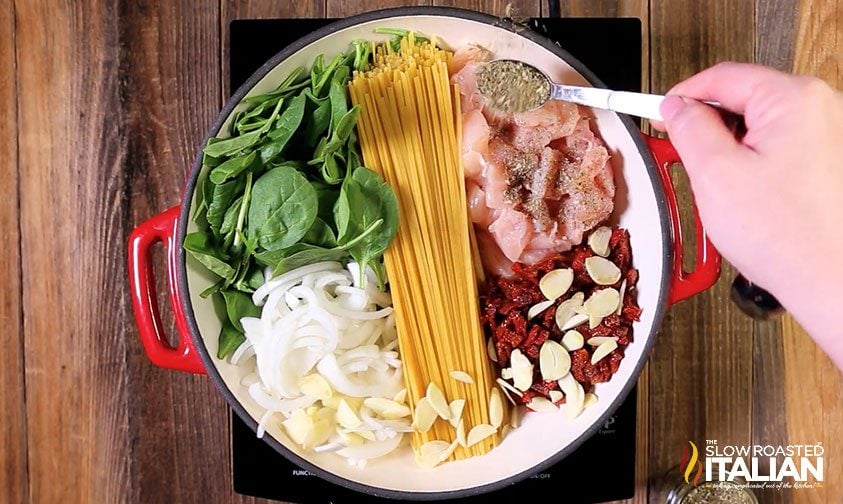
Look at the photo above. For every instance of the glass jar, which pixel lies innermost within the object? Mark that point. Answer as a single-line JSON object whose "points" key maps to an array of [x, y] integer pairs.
{"points": [[674, 490]]}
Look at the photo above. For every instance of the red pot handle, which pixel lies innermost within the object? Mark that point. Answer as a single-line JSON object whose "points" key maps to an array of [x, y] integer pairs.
{"points": [[183, 357], [707, 269]]}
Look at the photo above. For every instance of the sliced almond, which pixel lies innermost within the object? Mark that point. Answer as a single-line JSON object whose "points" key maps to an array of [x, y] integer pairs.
{"points": [[367, 435], [602, 270], [506, 373], [556, 396], [447, 453], [478, 433], [319, 434], [455, 409], [346, 416], [298, 427], [539, 308], [603, 350], [386, 408], [589, 400], [424, 416], [554, 360], [495, 408], [602, 303], [515, 416], [599, 340], [507, 394], [572, 340], [568, 309], [522, 370], [401, 396], [621, 294], [461, 433], [556, 283], [508, 387], [505, 430], [574, 396], [461, 376], [541, 405], [437, 401], [430, 453], [315, 386], [574, 407], [598, 240], [350, 438], [574, 321], [490, 349]]}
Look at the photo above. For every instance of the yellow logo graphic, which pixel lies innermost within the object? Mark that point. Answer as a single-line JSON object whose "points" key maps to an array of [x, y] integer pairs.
{"points": [[691, 464]]}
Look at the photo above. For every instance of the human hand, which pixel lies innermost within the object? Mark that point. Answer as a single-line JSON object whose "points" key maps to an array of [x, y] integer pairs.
{"points": [[771, 202]]}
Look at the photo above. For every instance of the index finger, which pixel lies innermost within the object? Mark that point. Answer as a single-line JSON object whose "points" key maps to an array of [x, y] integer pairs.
{"points": [[731, 84]]}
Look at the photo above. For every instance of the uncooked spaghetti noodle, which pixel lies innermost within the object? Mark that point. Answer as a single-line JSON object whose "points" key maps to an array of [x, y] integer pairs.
{"points": [[410, 134]]}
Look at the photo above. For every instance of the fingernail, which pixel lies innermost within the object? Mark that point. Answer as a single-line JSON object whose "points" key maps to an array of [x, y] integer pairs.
{"points": [[671, 105]]}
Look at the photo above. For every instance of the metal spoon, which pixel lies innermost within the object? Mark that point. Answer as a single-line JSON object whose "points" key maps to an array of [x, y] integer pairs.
{"points": [[626, 102], [750, 298]]}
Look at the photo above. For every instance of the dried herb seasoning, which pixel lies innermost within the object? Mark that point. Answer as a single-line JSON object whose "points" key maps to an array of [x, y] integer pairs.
{"points": [[512, 86]]}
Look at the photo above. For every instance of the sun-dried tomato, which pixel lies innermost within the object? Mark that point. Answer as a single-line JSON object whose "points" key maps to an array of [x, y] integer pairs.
{"points": [[507, 300]]}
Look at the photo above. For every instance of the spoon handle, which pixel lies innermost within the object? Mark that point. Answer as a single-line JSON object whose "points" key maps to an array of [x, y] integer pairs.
{"points": [[625, 102]]}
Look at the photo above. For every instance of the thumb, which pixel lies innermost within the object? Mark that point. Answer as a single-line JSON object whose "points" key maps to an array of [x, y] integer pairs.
{"points": [[697, 131]]}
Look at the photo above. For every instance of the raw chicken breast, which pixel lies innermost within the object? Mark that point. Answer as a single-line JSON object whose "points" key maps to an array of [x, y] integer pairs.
{"points": [[535, 181]]}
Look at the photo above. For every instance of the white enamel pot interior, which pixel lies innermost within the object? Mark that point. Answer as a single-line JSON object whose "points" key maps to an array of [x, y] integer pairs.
{"points": [[543, 438]]}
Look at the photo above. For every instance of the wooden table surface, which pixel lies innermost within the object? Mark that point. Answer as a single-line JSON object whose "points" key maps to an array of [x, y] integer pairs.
{"points": [[103, 104]]}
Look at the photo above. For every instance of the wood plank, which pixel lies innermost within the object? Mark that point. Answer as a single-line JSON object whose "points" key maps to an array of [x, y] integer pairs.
{"points": [[72, 239], [504, 8], [259, 9], [345, 8], [701, 369], [810, 375], [774, 41], [13, 475], [177, 423]]}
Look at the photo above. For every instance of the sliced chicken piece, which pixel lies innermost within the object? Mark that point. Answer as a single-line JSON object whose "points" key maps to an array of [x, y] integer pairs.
{"points": [[475, 142], [468, 54], [512, 231], [535, 129], [467, 80], [478, 211], [494, 262]]}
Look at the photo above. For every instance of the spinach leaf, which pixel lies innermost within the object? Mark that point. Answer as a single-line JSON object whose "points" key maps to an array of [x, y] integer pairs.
{"points": [[230, 339], [222, 197], [201, 247], [239, 305], [210, 160], [339, 104], [364, 200], [244, 207], [327, 196], [230, 219], [326, 75], [213, 289], [232, 145], [320, 121], [252, 280], [283, 208], [331, 169], [285, 87], [321, 234], [290, 120], [231, 168], [340, 134], [303, 254]]}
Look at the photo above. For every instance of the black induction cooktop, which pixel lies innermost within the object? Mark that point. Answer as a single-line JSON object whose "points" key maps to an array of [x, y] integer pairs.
{"points": [[603, 468]]}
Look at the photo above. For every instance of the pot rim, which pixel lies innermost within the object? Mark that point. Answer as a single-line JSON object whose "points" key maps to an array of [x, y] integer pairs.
{"points": [[184, 219]]}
